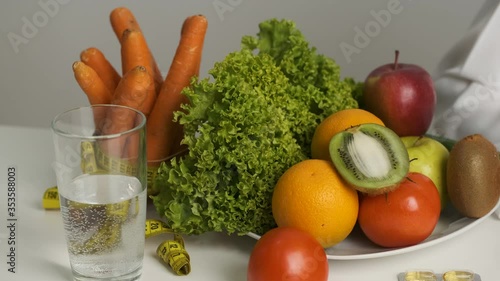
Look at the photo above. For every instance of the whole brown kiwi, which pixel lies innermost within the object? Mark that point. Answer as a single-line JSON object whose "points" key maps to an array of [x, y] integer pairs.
{"points": [[473, 179]]}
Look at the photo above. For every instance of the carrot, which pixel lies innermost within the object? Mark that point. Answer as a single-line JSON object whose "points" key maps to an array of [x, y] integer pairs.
{"points": [[150, 98], [162, 131], [132, 144], [94, 58], [122, 20], [132, 91], [186, 28], [91, 84], [177, 148], [134, 52]]}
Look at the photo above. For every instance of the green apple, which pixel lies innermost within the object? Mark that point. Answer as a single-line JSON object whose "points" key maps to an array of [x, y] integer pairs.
{"points": [[429, 157]]}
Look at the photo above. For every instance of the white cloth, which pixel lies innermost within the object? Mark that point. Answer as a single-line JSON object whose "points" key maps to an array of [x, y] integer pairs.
{"points": [[468, 81]]}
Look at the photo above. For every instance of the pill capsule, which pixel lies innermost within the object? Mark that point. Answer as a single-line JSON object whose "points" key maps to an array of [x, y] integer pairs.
{"points": [[420, 276], [458, 275]]}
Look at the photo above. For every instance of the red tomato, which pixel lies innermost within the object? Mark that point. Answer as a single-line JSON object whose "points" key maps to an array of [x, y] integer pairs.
{"points": [[403, 217], [287, 253]]}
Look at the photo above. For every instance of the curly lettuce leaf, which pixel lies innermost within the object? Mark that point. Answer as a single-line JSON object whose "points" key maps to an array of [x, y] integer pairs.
{"points": [[325, 93]]}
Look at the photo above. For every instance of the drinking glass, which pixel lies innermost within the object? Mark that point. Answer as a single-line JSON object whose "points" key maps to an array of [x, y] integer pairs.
{"points": [[100, 166]]}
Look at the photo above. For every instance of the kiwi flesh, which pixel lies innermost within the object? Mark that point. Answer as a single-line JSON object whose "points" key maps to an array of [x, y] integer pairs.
{"points": [[370, 157], [473, 179]]}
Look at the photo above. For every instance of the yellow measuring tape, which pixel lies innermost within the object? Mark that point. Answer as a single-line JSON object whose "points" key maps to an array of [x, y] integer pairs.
{"points": [[50, 200], [172, 252]]}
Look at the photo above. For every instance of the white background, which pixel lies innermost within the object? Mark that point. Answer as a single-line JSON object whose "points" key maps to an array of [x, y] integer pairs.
{"points": [[36, 80]]}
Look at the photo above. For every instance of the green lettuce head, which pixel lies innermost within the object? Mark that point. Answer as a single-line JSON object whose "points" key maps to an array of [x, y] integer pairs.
{"points": [[244, 127]]}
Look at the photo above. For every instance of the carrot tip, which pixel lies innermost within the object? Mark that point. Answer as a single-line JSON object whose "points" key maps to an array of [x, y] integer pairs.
{"points": [[90, 50], [85, 54], [118, 10], [76, 64]]}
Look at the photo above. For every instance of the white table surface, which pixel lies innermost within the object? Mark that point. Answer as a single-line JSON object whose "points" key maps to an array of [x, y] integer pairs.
{"points": [[41, 249]]}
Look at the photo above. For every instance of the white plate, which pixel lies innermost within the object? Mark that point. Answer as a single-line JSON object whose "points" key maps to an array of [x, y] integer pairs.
{"points": [[356, 246]]}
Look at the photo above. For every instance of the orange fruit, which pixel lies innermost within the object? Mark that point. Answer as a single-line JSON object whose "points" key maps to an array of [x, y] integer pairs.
{"points": [[335, 123], [312, 196]]}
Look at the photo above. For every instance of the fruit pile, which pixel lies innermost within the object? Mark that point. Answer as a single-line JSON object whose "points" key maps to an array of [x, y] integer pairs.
{"points": [[375, 166]]}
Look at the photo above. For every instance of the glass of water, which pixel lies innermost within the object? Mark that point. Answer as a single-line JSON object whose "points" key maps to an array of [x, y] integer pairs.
{"points": [[100, 166]]}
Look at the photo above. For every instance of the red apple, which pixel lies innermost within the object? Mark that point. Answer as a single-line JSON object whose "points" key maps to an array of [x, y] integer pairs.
{"points": [[402, 96]]}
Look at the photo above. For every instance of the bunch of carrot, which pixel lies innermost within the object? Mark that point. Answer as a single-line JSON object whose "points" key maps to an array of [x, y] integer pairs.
{"points": [[140, 84]]}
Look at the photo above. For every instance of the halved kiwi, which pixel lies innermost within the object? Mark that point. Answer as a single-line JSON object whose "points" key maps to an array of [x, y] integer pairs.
{"points": [[371, 157]]}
